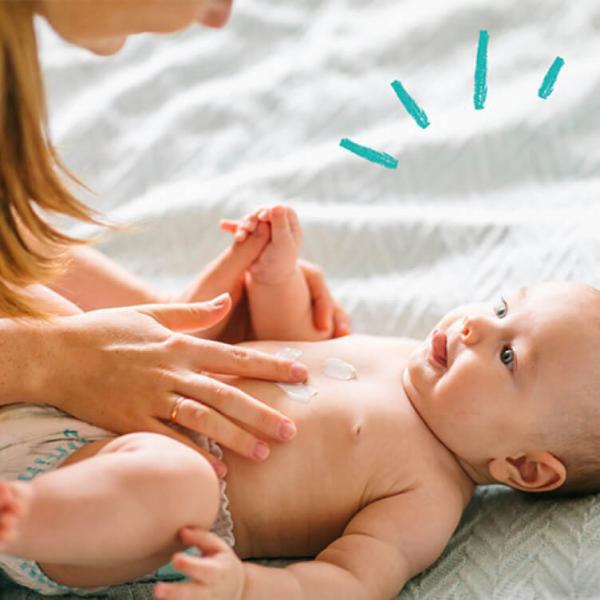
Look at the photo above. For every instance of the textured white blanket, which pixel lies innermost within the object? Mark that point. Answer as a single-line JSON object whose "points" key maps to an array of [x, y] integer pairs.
{"points": [[177, 131]]}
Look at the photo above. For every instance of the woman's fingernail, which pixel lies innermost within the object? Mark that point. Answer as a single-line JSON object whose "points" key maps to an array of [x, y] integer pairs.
{"points": [[261, 450], [299, 371], [220, 301], [287, 430]]}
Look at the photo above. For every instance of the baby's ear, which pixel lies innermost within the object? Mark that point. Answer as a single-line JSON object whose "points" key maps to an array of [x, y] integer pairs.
{"points": [[538, 471]]}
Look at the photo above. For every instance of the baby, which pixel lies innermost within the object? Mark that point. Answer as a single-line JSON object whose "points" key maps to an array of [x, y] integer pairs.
{"points": [[393, 436]]}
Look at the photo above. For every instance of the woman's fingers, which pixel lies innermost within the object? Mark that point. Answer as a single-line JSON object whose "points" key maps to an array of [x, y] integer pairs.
{"points": [[229, 225], [188, 316], [341, 322], [216, 401], [327, 313], [321, 298], [207, 420], [218, 357]]}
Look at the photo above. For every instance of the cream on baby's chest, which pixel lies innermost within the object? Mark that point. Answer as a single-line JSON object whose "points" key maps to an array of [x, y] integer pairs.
{"points": [[333, 367]]}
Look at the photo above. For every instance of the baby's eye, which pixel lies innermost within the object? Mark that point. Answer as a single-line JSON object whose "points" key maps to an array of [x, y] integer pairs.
{"points": [[507, 356], [501, 309]]}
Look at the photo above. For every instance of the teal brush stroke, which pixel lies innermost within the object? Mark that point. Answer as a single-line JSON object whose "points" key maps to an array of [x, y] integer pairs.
{"points": [[547, 86], [381, 158], [410, 105], [480, 92]]}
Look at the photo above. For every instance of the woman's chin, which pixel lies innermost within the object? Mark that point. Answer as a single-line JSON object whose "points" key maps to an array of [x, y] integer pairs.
{"points": [[104, 46]]}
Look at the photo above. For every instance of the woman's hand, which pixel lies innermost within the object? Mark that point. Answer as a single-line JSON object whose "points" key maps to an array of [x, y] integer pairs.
{"points": [[218, 574], [124, 368], [325, 308]]}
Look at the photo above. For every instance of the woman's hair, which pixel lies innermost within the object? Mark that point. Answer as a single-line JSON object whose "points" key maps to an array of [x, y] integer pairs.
{"points": [[32, 175]]}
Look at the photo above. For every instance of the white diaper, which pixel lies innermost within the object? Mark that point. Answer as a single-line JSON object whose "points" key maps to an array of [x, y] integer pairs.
{"points": [[35, 439]]}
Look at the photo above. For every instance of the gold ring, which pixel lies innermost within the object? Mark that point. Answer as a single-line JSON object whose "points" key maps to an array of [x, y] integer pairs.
{"points": [[175, 408]]}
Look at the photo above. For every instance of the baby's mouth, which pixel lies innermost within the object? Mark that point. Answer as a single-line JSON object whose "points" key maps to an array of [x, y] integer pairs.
{"points": [[438, 348]]}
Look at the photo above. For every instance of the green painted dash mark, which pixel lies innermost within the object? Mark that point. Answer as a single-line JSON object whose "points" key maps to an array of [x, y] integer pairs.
{"points": [[480, 91], [380, 158], [547, 86], [414, 110]]}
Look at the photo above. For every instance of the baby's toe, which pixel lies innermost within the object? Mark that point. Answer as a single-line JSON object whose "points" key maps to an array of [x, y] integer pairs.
{"points": [[279, 217], [13, 505]]}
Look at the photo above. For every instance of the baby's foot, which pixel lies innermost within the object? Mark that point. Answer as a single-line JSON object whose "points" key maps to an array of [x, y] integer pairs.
{"points": [[243, 252], [15, 498], [278, 260]]}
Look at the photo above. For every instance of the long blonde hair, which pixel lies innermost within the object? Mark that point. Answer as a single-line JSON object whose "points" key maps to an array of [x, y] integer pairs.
{"points": [[32, 175]]}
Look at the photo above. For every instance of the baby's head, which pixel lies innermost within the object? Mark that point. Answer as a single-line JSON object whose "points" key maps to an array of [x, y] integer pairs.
{"points": [[518, 400]]}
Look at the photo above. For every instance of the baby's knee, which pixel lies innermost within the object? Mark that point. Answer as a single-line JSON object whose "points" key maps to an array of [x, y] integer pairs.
{"points": [[181, 479]]}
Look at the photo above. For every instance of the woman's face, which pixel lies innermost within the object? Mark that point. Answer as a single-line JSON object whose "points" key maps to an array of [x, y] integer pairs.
{"points": [[102, 26]]}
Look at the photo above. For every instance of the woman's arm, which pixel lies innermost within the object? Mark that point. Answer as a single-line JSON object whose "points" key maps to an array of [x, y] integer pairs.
{"points": [[21, 372], [94, 281]]}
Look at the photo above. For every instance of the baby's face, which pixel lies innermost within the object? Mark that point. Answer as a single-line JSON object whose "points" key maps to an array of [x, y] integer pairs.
{"points": [[515, 371]]}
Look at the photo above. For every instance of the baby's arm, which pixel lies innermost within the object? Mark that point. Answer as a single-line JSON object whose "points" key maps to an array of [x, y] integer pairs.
{"points": [[278, 294], [387, 543]]}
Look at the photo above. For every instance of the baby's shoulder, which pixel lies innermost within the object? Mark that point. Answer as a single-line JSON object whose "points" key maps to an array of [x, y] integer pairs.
{"points": [[417, 521], [444, 478]]}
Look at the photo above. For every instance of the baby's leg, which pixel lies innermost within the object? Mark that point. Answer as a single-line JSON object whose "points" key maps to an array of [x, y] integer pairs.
{"points": [[115, 515]]}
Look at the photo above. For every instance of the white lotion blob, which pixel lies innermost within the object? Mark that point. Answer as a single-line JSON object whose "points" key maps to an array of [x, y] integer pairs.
{"points": [[336, 368], [300, 392], [288, 352]]}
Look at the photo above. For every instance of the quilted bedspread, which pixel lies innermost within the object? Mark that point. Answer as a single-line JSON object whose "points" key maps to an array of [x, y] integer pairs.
{"points": [[180, 130]]}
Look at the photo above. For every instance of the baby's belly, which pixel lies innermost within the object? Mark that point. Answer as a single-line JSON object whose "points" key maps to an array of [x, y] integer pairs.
{"points": [[303, 496]]}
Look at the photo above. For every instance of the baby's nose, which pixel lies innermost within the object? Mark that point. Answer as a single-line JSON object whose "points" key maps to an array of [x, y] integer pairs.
{"points": [[467, 330]]}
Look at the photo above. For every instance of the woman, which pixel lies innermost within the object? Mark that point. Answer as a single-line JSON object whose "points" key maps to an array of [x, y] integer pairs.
{"points": [[79, 363]]}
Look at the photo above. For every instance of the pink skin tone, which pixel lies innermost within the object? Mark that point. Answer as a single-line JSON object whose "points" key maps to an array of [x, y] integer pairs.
{"points": [[273, 264], [220, 571], [485, 404], [493, 405], [218, 574], [14, 502], [103, 27]]}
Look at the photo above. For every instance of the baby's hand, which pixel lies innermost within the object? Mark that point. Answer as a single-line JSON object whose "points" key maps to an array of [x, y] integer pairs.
{"points": [[217, 574], [278, 260]]}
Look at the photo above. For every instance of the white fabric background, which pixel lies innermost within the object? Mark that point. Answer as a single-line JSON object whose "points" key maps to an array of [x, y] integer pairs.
{"points": [[178, 131]]}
